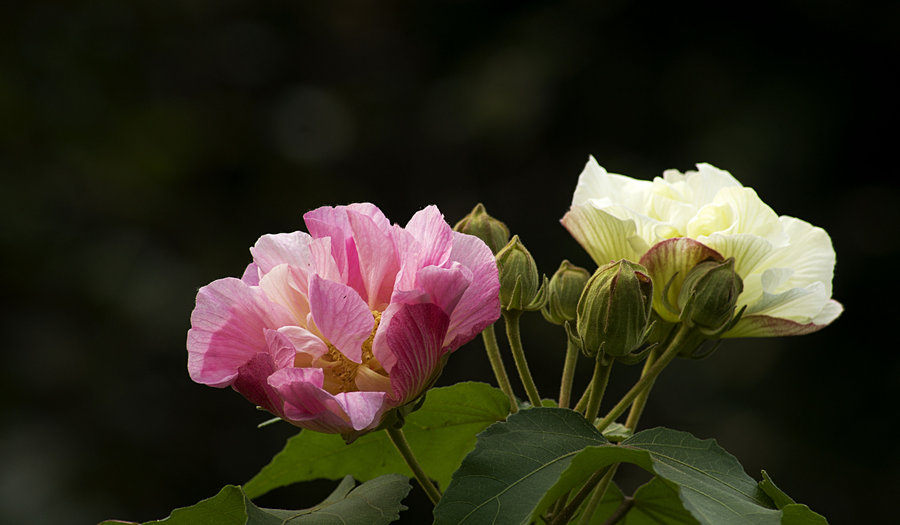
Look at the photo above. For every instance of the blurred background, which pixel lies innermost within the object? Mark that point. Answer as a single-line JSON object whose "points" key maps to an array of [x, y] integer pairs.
{"points": [[145, 146]]}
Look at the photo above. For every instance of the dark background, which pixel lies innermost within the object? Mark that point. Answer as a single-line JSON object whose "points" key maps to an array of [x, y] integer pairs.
{"points": [[145, 145]]}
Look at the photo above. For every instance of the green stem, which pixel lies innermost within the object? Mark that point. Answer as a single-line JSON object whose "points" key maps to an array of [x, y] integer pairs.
{"points": [[402, 446], [598, 387], [684, 337], [597, 496], [570, 509], [568, 373], [641, 400], [493, 353], [620, 512], [515, 344], [582, 401]]}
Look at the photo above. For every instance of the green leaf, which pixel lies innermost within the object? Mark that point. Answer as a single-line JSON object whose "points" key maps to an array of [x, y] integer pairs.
{"points": [[793, 513], [375, 502], [657, 502], [520, 467], [513, 465], [611, 501], [616, 432], [440, 433]]}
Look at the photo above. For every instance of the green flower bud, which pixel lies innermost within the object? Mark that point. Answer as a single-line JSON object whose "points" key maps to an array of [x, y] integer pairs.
{"points": [[563, 293], [614, 310], [490, 230], [709, 295], [520, 283]]}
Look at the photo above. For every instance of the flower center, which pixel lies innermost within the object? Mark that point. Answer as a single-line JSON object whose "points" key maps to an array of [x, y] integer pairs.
{"points": [[343, 375]]}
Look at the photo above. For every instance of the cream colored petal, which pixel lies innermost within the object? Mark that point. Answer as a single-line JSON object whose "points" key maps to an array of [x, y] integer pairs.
{"points": [[809, 253], [280, 287], [605, 237], [797, 304], [596, 183], [749, 251], [751, 214], [370, 381], [765, 326]]}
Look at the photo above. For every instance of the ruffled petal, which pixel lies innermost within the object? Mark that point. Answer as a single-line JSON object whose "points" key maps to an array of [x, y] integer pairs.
{"points": [[251, 275], [306, 404], [479, 305], [341, 316], [434, 236], [378, 262], [251, 382], [283, 248], [410, 340], [363, 408], [766, 326], [304, 341], [284, 285], [228, 329], [605, 237]]}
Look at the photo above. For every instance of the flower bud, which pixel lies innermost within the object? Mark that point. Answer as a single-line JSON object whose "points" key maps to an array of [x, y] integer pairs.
{"points": [[490, 230], [563, 293], [520, 283], [709, 295], [614, 310]]}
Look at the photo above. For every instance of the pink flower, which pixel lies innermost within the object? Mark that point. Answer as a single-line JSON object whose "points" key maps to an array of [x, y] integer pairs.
{"points": [[332, 329]]}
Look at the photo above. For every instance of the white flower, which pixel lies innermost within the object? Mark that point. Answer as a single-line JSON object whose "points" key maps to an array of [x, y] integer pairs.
{"points": [[673, 222]]}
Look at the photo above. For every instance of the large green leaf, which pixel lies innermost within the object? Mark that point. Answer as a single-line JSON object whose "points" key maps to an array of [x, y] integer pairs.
{"points": [[513, 465], [440, 433], [520, 467], [375, 502]]}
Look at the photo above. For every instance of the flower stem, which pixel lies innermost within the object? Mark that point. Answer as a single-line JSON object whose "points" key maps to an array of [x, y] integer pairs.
{"points": [[637, 408], [598, 494], [569, 510], [515, 344], [685, 336], [493, 353], [568, 373], [402, 446], [598, 387], [582, 401]]}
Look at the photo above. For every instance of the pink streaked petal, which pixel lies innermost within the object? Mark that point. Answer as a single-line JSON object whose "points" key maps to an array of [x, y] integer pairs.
{"points": [[409, 256], [414, 334], [228, 328], [251, 382], [445, 286], [306, 404], [434, 235], [378, 263], [341, 316], [364, 408], [304, 341], [323, 260], [479, 306], [281, 349], [371, 211], [282, 248], [766, 326], [251, 275], [670, 261]]}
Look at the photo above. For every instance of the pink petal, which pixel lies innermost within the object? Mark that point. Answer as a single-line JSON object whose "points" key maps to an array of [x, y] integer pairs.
{"points": [[364, 408], [281, 348], [251, 382], [341, 316], [334, 224], [283, 248], [378, 263], [671, 260], [434, 236], [306, 404], [479, 306], [251, 275], [409, 347], [445, 286], [228, 329]]}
